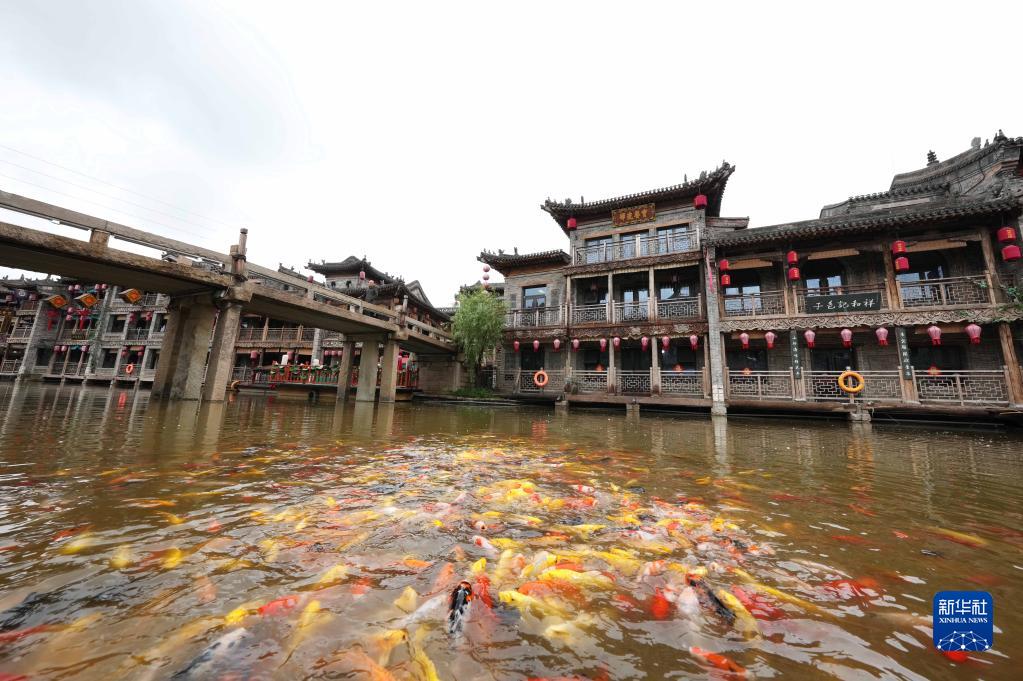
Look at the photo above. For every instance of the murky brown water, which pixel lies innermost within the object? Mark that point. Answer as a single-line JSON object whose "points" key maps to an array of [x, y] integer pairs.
{"points": [[318, 542]]}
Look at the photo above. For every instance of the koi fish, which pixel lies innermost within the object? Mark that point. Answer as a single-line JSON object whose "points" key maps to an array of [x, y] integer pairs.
{"points": [[121, 558], [484, 544], [718, 661], [850, 539], [660, 607], [354, 663], [385, 642], [407, 600], [461, 597], [592, 579], [524, 603], [971, 540], [202, 666], [743, 621], [415, 564], [278, 606], [423, 668], [332, 576]]}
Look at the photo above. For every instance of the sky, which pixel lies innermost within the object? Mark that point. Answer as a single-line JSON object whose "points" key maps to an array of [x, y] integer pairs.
{"points": [[418, 134]]}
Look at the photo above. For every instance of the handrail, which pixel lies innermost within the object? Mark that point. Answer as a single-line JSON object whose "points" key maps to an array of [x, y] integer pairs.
{"points": [[764, 303]]}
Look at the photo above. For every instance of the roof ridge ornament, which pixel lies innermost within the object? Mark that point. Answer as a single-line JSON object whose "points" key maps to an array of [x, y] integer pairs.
{"points": [[932, 158]]}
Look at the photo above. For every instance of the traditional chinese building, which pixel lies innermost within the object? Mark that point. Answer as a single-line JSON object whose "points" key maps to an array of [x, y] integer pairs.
{"points": [[661, 301]]}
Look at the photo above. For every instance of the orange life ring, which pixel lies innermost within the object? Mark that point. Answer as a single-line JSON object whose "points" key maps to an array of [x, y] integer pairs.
{"points": [[540, 378], [845, 385], [129, 369]]}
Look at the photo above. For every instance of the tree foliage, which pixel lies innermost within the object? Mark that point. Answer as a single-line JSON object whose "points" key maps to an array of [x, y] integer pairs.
{"points": [[477, 325]]}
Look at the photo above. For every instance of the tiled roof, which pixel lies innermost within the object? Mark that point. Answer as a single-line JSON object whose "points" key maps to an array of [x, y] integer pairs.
{"points": [[394, 289], [510, 261], [712, 184], [351, 264], [846, 224]]}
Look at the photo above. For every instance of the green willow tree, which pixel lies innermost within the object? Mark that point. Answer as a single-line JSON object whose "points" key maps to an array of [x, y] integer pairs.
{"points": [[477, 326]]}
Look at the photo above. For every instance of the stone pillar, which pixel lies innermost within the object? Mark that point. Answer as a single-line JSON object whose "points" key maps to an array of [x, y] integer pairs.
{"points": [[610, 298], [179, 374], [28, 361], [221, 362], [367, 390], [389, 371], [1013, 372], [317, 346], [655, 366], [651, 298], [715, 348], [344, 378]]}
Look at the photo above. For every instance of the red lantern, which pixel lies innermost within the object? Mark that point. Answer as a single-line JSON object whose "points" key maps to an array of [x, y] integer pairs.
{"points": [[617, 342], [486, 268], [723, 265], [770, 337], [1011, 253], [793, 274], [902, 264], [700, 201], [726, 280], [575, 343], [882, 336], [536, 346], [557, 344], [644, 343], [744, 339], [1006, 234], [603, 344], [254, 355], [973, 331], [898, 247], [694, 341], [665, 342], [809, 335], [792, 258], [935, 333], [515, 346], [846, 335], [572, 224]]}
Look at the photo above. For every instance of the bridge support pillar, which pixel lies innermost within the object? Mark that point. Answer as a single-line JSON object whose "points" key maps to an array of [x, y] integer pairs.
{"points": [[389, 371], [179, 374], [367, 390], [221, 362], [344, 376]]}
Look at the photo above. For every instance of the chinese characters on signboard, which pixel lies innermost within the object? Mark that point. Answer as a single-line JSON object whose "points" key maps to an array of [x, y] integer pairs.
{"points": [[630, 216], [797, 364], [853, 302], [903, 343]]}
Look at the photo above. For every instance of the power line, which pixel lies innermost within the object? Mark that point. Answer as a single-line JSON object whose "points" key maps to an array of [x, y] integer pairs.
{"points": [[96, 203], [109, 196], [115, 186]]}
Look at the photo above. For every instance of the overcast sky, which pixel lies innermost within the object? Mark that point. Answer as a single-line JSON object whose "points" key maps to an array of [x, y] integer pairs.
{"points": [[419, 133]]}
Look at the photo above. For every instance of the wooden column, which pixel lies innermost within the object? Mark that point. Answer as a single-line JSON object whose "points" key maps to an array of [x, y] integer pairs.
{"points": [[655, 366], [612, 373], [906, 374], [651, 299], [891, 284], [788, 297], [1013, 372], [610, 298], [991, 265]]}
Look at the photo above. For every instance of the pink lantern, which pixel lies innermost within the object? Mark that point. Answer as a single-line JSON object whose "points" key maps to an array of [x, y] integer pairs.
{"points": [[744, 339], [575, 343], [515, 346], [770, 337], [644, 343], [536, 346], [846, 335], [572, 223], [665, 342], [617, 342], [362, 275], [882, 336], [694, 342], [557, 344], [935, 333], [255, 355], [486, 268], [973, 331], [486, 277], [603, 344], [809, 335]]}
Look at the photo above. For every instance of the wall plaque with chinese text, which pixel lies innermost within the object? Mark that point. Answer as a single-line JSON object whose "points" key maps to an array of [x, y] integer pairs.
{"points": [[903, 344], [797, 362], [850, 302], [630, 216]]}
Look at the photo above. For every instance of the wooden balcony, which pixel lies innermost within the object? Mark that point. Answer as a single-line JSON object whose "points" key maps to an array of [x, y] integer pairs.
{"points": [[763, 304], [638, 247], [20, 333], [10, 367], [680, 308], [524, 318], [950, 292]]}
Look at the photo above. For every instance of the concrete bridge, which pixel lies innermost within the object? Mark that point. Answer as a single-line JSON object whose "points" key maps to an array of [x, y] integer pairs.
{"points": [[209, 291]]}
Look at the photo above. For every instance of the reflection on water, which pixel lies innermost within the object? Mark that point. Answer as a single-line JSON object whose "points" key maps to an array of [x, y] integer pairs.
{"points": [[271, 539]]}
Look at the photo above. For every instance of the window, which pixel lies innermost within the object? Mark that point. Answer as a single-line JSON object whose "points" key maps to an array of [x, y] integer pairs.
{"points": [[534, 296], [741, 296], [754, 360], [117, 324], [634, 359], [823, 278], [593, 293], [925, 267], [675, 239], [594, 360], [628, 243], [531, 361], [669, 290], [680, 356], [948, 357], [832, 360], [599, 249]]}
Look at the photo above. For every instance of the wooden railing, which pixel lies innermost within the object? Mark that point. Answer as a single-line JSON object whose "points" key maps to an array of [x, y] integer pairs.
{"points": [[680, 308], [953, 291], [879, 386], [589, 314], [634, 382], [638, 246], [759, 385], [690, 383], [754, 304], [631, 312], [10, 366], [590, 381], [22, 332], [966, 387], [534, 316]]}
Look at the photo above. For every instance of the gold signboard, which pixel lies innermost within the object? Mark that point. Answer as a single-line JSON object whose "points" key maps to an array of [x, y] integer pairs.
{"points": [[87, 300], [630, 216], [131, 296], [58, 301]]}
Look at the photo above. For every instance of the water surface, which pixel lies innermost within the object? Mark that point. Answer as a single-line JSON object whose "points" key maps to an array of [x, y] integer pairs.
{"points": [[315, 541]]}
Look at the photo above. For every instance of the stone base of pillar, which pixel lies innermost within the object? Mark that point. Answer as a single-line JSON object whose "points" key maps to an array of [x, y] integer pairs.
{"points": [[632, 409], [368, 359], [859, 415], [719, 409], [562, 405]]}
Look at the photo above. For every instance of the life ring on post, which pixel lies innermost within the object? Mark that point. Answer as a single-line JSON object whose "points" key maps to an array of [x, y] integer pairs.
{"points": [[130, 369], [846, 386], [540, 378]]}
